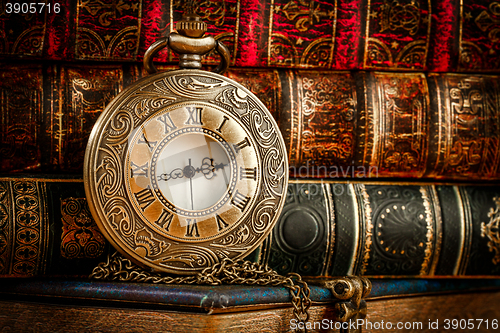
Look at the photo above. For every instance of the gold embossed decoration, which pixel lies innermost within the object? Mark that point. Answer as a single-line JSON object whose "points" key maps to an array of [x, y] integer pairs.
{"points": [[186, 168], [491, 230], [80, 237]]}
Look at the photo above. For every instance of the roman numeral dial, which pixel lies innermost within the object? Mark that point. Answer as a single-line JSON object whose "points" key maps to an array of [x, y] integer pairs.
{"points": [[242, 144], [194, 115], [185, 168], [192, 228], [168, 124], [139, 170], [193, 171], [144, 198], [240, 200]]}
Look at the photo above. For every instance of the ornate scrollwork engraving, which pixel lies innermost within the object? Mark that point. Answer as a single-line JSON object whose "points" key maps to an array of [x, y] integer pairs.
{"points": [[239, 237], [194, 257], [196, 86], [81, 237], [261, 126], [119, 129], [274, 172], [229, 98], [120, 216], [491, 230], [153, 246], [144, 226]]}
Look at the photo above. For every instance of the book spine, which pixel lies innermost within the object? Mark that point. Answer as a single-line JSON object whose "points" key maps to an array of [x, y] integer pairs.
{"points": [[46, 229], [479, 36], [397, 35], [381, 124], [48, 112], [335, 124], [443, 47], [251, 49], [437, 36], [325, 229], [382, 230]]}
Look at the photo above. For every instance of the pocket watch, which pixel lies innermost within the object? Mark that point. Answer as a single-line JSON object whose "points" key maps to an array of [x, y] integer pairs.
{"points": [[185, 168]]}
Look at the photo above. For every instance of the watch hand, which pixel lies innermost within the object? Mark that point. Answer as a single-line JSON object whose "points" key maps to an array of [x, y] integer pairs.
{"points": [[191, 186], [207, 168], [174, 174]]}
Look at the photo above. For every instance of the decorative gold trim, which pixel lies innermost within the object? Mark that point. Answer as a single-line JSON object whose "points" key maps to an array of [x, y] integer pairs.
{"points": [[438, 228], [330, 215], [368, 228], [467, 232], [24, 230], [461, 234], [429, 244], [353, 265], [492, 230]]}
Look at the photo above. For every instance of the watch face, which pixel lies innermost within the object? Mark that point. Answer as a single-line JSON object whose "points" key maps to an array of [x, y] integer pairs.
{"points": [[184, 169], [193, 171]]}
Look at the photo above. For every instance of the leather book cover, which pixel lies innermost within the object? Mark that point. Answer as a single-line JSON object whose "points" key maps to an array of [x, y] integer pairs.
{"points": [[438, 36], [335, 124], [326, 229], [46, 228]]}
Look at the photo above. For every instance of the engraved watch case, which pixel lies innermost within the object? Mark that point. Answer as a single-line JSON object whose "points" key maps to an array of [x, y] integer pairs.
{"points": [[185, 168]]}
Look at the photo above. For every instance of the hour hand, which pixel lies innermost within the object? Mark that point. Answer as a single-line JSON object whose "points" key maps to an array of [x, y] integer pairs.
{"points": [[208, 167]]}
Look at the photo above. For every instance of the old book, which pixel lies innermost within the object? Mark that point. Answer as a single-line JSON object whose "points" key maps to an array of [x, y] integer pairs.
{"points": [[329, 228], [82, 306], [326, 229], [335, 124], [79, 30], [46, 228], [48, 112], [441, 36]]}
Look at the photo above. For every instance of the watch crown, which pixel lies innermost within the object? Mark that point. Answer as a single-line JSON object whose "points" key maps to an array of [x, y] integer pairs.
{"points": [[191, 26]]}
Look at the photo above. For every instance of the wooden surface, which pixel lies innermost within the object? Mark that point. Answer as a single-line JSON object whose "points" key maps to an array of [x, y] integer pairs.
{"points": [[23, 317], [422, 309]]}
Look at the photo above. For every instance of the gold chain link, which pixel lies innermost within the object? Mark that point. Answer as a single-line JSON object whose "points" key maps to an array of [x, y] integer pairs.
{"points": [[228, 271]]}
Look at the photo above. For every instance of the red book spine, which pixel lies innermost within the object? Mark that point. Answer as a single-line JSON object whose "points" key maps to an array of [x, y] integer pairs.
{"points": [[59, 38], [443, 53], [349, 41], [479, 36], [436, 36], [150, 26], [397, 35], [253, 34]]}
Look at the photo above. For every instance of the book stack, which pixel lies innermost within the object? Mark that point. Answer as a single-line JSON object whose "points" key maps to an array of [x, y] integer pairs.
{"points": [[390, 111]]}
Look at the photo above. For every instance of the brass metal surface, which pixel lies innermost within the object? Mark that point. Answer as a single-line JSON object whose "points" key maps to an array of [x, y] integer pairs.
{"points": [[123, 164], [190, 43]]}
